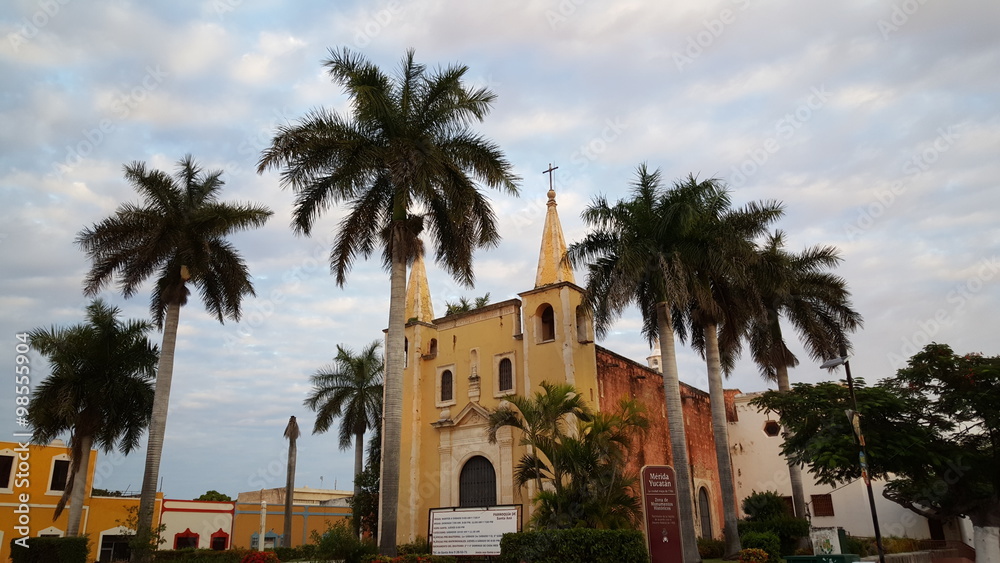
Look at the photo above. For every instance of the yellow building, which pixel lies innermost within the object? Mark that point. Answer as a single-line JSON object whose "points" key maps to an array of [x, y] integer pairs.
{"points": [[33, 478], [461, 366]]}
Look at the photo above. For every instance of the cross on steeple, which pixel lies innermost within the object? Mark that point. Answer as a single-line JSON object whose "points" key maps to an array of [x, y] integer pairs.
{"points": [[549, 172]]}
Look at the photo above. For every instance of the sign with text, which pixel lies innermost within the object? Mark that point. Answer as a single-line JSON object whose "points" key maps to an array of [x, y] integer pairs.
{"points": [[659, 504], [471, 531]]}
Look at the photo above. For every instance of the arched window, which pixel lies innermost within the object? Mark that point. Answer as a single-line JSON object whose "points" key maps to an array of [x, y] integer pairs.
{"points": [[705, 512], [433, 348], [185, 539], [447, 386], [583, 324], [506, 375], [477, 484], [546, 323]]}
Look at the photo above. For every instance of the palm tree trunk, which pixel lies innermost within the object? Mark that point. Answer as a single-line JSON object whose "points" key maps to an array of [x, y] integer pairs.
{"points": [[794, 472], [359, 455], [157, 427], [721, 431], [79, 492], [678, 439], [286, 533], [392, 413]]}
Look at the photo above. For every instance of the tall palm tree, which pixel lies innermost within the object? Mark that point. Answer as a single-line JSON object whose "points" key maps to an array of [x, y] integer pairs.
{"points": [[349, 389], [100, 391], [817, 303], [721, 300], [292, 434], [405, 158], [177, 234], [634, 254]]}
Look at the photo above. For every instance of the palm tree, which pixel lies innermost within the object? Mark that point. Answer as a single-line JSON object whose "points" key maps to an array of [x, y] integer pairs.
{"points": [[292, 434], [464, 305], [542, 419], [100, 391], [816, 303], [404, 159], [721, 300], [349, 389], [177, 234], [634, 255]]}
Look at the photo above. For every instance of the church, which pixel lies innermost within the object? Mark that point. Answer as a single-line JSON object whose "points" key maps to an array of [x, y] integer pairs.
{"points": [[460, 367]]}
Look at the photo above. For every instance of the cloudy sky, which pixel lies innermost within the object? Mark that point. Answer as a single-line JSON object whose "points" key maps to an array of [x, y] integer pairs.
{"points": [[876, 123]]}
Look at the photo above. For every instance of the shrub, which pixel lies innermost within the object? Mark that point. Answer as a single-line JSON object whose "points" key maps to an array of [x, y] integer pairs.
{"points": [[42, 550], [767, 541], [574, 544], [408, 558], [710, 548], [860, 546], [339, 542], [418, 547], [893, 544], [753, 555], [260, 557], [768, 505], [192, 555], [787, 528]]}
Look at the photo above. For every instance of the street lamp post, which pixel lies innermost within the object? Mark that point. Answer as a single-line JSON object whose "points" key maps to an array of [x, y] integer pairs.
{"points": [[855, 419]]}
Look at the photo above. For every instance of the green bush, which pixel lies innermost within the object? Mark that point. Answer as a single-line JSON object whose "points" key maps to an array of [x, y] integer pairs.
{"points": [[787, 528], [710, 548], [192, 555], [43, 550], [574, 544], [767, 541], [768, 505], [860, 546], [418, 547], [339, 542]]}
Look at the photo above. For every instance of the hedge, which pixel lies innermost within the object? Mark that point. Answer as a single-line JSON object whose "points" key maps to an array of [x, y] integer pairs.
{"points": [[788, 529], [193, 555], [768, 541], [584, 545], [44, 550]]}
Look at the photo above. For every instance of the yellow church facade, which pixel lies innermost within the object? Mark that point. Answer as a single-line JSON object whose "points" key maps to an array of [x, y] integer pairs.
{"points": [[462, 366]]}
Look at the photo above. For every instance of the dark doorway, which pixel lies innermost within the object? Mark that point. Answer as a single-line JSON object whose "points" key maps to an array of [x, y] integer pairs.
{"points": [[705, 512], [477, 484]]}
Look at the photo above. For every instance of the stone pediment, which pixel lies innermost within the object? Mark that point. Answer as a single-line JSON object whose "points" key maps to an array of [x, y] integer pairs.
{"points": [[471, 415]]}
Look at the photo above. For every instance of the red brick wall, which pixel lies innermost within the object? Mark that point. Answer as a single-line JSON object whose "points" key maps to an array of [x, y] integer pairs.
{"points": [[618, 377]]}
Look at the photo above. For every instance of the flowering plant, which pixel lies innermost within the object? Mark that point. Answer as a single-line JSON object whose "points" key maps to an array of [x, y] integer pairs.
{"points": [[754, 555], [260, 557]]}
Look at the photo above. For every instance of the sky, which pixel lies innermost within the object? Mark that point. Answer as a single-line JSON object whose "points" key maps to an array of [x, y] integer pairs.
{"points": [[875, 123]]}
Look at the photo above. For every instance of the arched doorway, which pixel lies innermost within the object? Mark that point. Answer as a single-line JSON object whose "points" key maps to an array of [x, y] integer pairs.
{"points": [[705, 512], [477, 484]]}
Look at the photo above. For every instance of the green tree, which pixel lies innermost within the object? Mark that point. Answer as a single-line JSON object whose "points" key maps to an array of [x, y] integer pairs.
{"points": [[349, 389], [582, 457], [403, 159], [292, 434], [100, 390], [177, 235], [544, 417], [215, 496], [798, 288], [722, 299], [932, 432], [464, 305]]}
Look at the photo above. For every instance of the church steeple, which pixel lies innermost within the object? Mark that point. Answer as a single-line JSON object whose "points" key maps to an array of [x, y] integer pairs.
{"points": [[418, 293], [551, 266]]}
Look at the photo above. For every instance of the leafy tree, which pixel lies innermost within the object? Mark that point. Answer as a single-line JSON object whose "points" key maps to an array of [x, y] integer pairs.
{"points": [[177, 235], [292, 434], [798, 288], [635, 255], [582, 456], [100, 390], [464, 305], [404, 159], [213, 495], [932, 432], [349, 389]]}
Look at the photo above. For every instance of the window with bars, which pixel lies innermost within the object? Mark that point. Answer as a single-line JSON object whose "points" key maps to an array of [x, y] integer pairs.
{"points": [[822, 505], [506, 369], [447, 386]]}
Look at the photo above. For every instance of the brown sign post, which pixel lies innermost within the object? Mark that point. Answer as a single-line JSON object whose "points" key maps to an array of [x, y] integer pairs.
{"points": [[659, 503]]}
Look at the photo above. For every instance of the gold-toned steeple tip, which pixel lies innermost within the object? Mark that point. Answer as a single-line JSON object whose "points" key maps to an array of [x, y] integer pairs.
{"points": [[551, 266], [418, 293]]}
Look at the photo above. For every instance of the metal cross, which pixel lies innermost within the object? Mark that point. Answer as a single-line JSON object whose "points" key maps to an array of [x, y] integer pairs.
{"points": [[549, 172]]}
